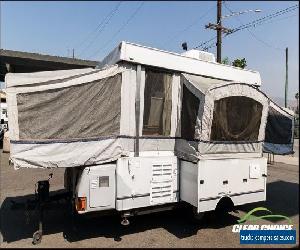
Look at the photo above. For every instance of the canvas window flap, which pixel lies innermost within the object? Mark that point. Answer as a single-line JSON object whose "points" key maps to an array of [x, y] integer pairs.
{"points": [[279, 131]]}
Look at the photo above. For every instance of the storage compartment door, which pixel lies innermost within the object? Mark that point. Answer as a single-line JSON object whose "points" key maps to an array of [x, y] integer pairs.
{"points": [[213, 179], [102, 187], [230, 177]]}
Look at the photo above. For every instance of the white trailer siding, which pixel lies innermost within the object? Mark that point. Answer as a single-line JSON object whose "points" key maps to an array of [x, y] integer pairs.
{"points": [[205, 183]]}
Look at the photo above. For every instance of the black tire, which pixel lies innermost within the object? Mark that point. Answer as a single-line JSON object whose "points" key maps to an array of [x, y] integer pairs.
{"points": [[197, 217], [37, 238], [224, 206]]}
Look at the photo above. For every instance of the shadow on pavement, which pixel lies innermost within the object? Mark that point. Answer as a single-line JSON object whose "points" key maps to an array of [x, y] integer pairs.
{"points": [[17, 224], [282, 198], [179, 222]]}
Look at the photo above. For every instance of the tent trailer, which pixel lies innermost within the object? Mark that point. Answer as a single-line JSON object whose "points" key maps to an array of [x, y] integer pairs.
{"points": [[148, 129]]}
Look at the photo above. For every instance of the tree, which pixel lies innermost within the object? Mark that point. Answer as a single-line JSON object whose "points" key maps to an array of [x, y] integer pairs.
{"points": [[241, 63], [225, 60]]}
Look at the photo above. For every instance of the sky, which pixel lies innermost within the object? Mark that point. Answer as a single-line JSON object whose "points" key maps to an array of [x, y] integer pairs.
{"points": [[57, 27]]}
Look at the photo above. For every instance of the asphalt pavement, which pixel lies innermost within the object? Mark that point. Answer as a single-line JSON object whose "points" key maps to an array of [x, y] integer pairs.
{"points": [[176, 228]]}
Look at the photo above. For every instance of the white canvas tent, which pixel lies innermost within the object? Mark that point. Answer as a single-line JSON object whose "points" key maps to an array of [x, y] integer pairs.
{"points": [[86, 117], [67, 118], [219, 130]]}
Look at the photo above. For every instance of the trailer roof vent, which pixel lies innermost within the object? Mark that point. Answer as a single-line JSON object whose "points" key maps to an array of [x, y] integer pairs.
{"points": [[198, 54]]}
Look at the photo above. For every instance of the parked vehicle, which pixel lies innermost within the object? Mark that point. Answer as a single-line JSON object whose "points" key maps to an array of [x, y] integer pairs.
{"points": [[147, 130], [3, 119]]}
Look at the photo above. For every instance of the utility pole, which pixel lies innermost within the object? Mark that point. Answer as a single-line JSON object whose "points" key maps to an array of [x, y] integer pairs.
{"points": [[286, 77], [220, 29], [73, 53], [219, 32]]}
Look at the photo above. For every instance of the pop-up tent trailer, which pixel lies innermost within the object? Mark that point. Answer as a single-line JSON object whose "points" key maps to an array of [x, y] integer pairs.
{"points": [[147, 128]]}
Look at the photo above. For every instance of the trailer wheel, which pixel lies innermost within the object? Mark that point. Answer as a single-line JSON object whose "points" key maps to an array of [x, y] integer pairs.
{"points": [[224, 206], [197, 216], [37, 238]]}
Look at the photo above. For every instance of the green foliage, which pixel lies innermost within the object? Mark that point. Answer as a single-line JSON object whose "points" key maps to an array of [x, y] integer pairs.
{"points": [[241, 63], [225, 60]]}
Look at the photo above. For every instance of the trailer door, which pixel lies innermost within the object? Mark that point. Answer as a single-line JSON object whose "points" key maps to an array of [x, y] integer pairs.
{"points": [[102, 186]]}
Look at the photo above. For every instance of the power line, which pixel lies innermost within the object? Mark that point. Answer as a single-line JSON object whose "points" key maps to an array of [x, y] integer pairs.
{"points": [[206, 48], [251, 33], [254, 24], [189, 26], [101, 27], [121, 28], [270, 16], [203, 43], [98, 26], [264, 19], [260, 40], [267, 22]]}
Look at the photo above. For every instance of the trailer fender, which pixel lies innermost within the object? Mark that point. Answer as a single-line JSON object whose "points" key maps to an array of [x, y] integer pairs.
{"points": [[225, 204]]}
